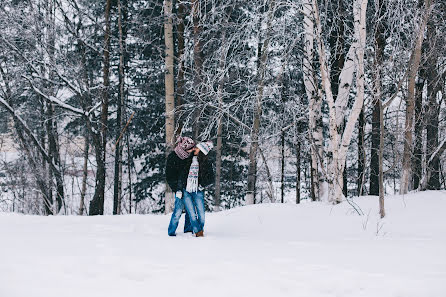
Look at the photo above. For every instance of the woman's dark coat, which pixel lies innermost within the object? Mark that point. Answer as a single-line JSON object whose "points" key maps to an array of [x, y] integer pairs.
{"points": [[177, 171]]}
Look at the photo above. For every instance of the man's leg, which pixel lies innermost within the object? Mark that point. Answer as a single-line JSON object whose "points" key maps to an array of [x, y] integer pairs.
{"points": [[189, 205], [199, 204], [187, 224], [176, 215]]}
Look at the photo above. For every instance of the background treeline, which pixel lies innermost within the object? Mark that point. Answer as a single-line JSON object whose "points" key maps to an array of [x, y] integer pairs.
{"points": [[303, 99]]}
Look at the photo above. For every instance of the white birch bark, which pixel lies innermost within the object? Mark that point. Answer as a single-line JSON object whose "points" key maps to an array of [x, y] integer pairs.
{"points": [[315, 99], [339, 143], [169, 88]]}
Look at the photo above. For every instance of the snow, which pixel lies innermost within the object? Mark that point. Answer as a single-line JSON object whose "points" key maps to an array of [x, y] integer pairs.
{"points": [[312, 249]]}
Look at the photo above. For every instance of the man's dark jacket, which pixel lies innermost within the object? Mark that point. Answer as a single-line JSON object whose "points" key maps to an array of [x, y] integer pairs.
{"points": [[177, 171]]}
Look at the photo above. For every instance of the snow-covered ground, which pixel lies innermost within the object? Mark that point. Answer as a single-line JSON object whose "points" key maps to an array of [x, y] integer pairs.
{"points": [[309, 250]]}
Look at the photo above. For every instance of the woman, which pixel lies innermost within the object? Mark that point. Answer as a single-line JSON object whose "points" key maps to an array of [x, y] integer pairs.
{"points": [[201, 175]]}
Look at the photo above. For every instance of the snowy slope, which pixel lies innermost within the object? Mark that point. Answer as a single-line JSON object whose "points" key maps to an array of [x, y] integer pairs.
{"points": [[308, 250]]}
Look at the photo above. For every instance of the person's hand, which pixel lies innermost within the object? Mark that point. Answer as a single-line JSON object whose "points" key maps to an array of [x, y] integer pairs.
{"points": [[179, 194], [200, 188]]}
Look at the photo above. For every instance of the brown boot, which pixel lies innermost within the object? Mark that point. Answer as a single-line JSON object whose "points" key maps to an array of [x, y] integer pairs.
{"points": [[199, 234]]}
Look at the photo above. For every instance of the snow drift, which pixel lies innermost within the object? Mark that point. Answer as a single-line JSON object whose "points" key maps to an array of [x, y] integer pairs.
{"points": [[312, 249]]}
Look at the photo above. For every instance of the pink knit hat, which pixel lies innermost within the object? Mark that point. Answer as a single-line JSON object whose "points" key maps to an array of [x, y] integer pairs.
{"points": [[183, 145]]}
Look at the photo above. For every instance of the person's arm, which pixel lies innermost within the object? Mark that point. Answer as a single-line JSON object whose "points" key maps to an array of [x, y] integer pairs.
{"points": [[207, 178], [172, 172]]}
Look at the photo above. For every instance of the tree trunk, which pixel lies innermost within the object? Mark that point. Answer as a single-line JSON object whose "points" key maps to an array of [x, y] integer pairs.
{"points": [[380, 43], [53, 150], [433, 110], [180, 79], [84, 175], [315, 102], [221, 80], [337, 49], [27, 139], [375, 139], [361, 154], [282, 168], [100, 140], [170, 92], [218, 163], [129, 170], [298, 161], [410, 104], [355, 61], [382, 211], [418, 130], [53, 136], [252, 169], [198, 65], [117, 191]]}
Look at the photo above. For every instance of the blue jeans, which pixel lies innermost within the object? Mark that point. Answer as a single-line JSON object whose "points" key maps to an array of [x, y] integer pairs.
{"points": [[194, 203], [176, 215], [187, 224], [175, 218]]}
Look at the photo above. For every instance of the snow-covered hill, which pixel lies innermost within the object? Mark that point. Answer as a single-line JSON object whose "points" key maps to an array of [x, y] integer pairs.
{"points": [[308, 250]]}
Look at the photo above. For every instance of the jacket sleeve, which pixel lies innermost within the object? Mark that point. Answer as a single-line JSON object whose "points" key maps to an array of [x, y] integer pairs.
{"points": [[207, 177], [172, 172]]}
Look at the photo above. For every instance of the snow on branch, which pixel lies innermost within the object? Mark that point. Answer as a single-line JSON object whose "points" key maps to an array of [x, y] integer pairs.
{"points": [[29, 132], [56, 101]]}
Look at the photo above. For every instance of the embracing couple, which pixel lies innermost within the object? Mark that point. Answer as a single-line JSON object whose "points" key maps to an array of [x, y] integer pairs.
{"points": [[188, 172]]}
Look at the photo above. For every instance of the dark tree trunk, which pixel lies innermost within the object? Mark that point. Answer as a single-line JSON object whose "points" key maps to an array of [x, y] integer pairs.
{"points": [[282, 167], [298, 161], [361, 153], [198, 64], [374, 158], [433, 110], [100, 138], [380, 44], [221, 80], [84, 174], [53, 149], [418, 130], [129, 172], [117, 190], [180, 79]]}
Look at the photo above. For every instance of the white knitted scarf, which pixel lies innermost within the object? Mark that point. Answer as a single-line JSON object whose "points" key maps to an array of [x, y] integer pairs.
{"points": [[192, 178]]}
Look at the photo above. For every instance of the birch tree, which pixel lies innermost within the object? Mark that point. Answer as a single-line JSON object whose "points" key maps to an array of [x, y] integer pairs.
{"points": [[170, 92], [314, 95], [339, 142]]}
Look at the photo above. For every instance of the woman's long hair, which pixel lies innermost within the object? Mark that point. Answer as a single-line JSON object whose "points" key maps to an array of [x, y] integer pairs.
{"points": [[202, 157]]}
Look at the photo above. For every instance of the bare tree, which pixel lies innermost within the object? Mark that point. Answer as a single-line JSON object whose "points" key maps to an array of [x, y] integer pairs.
{"points": [[314, 95], [170, 91], [254, 141], [410, 102], [339, 142]]}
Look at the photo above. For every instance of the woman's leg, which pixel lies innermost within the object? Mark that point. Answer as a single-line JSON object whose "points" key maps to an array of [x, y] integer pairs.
{"points": [[189, 204], [187, 224], [199, 204], [176, 215]]}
